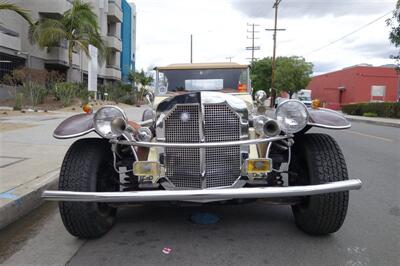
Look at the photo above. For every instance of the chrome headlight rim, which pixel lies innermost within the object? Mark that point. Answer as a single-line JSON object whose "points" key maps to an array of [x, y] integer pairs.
{"points": [[143, 134], [96, 121], [283, 127]]}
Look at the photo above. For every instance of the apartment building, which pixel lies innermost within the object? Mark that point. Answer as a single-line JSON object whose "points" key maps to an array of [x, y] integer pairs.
{"points": [[128, 35], [17, 51]]}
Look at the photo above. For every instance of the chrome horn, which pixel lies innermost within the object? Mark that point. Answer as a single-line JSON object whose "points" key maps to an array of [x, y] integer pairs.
{"points": [[271, 128], [265, 126]]}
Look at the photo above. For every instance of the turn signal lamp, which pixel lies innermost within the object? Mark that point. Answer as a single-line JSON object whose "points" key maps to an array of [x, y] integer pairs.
{"points": [[242, 88], [144, 168], [258, 166], [315, 104], [87, 108]]}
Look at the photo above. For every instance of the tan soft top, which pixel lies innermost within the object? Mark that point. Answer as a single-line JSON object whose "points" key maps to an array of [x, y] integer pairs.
{"points": [[222, 65]]}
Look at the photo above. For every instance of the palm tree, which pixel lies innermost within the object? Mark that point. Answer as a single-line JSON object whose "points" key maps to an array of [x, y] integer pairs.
{"points": [[141, 78], [78, 26], [4, 5]]}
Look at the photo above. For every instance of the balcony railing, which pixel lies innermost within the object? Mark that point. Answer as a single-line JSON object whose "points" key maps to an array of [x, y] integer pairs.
{"points": [[114, 10], [113, 72], [9, 41], [114, 42]]}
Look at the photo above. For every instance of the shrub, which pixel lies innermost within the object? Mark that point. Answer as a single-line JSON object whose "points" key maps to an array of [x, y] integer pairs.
{"points": [[35, 92], [18, 101], [65, 92], [82, 93], [369, 114], [381, 109]]}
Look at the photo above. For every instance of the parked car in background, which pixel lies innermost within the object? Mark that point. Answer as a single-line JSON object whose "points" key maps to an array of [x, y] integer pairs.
{"points": [[303, 96]]}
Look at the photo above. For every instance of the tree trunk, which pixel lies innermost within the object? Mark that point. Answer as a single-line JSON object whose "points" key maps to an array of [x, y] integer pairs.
{"points": [[70, 69]]}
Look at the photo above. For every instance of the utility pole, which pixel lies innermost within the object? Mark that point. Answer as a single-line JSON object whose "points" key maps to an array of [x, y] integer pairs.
{"points": [[191, 48], [229, 58], [275, 29], [253, 32]]}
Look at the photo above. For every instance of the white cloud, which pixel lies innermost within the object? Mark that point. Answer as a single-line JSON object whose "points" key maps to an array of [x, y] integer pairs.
{"points": [[314, 8], [219, 30]]}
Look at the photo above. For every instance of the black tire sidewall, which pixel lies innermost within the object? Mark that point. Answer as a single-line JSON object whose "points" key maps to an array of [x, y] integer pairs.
{"points": [[319, 214], [86, 165]]}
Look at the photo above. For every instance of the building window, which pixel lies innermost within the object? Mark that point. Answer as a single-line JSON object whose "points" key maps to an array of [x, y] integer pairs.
{"points": [[378, 93]]}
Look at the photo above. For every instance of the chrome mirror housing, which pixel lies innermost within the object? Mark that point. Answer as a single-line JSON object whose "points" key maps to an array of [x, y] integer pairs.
{"points": [[150, 98], [260, 97]]}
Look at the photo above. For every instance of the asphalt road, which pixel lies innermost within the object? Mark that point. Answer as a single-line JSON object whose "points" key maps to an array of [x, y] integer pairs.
{"points": [[250, 234]]}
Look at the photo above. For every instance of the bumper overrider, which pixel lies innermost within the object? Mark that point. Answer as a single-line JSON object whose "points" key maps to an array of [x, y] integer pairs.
{"points": [[202, 194]]}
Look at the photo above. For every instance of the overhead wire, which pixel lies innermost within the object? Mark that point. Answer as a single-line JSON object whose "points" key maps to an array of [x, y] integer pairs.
{"points": [[351, 33]]}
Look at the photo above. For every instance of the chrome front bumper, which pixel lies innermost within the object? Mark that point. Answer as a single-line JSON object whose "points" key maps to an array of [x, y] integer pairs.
{"points": [[203, 194], [200, 144]]}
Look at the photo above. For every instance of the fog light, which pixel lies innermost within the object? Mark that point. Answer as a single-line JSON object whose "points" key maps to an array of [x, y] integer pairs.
{"points": [[258, 166], [143, 168]]}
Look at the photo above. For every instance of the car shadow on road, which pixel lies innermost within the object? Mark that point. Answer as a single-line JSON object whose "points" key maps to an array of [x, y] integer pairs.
{"points": [[247, 233]]}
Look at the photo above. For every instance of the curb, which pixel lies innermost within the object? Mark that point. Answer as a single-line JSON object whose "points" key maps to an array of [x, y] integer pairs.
{"points": [[382, 123], [25, 198]]}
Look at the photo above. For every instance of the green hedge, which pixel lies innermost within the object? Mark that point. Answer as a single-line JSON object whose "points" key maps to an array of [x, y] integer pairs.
{"points": [[385, 109]]}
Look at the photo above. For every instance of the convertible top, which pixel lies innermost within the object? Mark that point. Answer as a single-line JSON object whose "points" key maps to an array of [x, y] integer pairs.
{"points": [[187, 66]]}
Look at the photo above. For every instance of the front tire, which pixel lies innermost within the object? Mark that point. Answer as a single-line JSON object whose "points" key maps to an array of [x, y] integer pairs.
{"points": [[87, 166], [318, 159]]}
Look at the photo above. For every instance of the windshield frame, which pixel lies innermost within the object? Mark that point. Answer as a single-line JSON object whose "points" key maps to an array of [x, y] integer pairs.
{"points": [[158, 83]]}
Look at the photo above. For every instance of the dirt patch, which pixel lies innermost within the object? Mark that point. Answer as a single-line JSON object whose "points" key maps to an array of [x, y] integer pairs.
{"points": [[19, 113], [13, 126], [50, 103]]}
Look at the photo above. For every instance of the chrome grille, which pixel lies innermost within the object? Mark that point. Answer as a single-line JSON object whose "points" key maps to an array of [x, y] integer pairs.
{"points": [[220, 123], [182, 167], [177, 130], [222, 164]]}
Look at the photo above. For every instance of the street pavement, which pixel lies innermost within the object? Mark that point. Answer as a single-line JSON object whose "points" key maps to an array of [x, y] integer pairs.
{"points": [[249, 234], [30, 158]]}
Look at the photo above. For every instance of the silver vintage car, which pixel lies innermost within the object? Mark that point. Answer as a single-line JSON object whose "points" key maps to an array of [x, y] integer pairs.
{"points": [[203, 139]]}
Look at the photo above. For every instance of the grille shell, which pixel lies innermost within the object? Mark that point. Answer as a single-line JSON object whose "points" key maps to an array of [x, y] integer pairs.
{"points": [[187, 123]]}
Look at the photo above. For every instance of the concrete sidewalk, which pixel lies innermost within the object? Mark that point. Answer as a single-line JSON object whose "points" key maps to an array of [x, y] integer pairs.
{"points": [[391, 122], [30, 159]]}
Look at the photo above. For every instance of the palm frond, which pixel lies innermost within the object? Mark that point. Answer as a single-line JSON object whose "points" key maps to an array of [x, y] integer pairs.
{"points": [[80, 18], [48, 32], [83, 45], [4, 5]]}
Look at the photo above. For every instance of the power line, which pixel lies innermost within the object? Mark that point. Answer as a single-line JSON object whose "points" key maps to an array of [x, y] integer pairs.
{"points": [[351, 33]]}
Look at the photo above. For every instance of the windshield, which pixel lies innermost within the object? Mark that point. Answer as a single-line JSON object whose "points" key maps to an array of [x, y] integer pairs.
{"points": [[189, 80]]}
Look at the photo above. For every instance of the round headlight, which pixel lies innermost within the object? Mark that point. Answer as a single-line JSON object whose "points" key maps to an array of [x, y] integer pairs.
{"points": [[103, 121], [292, 116]]}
